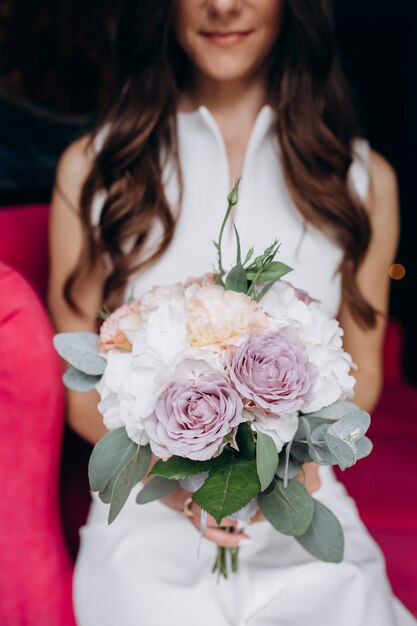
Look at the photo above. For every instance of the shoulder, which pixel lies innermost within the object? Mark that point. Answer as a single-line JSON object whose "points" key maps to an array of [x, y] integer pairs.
{"points": [[72, 169], [382, 193], [382, 201], [383, 177], [76, 160]]}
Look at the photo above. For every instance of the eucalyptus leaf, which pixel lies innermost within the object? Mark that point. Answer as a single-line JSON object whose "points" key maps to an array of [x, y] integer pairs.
{"points": [[109, 456], [177, 467], [344, 451], [79, 381], [313, 422], [289, 510], [228, 488], [156, 489], [319, 433], [275, 270], [80, 349], [324, 536], [266, 459], [363, 447], [351, 426], [130, 475], [335, 411], [301, 452], [287, 463], [236, 279], [288, 469], [314, 451], [106, 494]]}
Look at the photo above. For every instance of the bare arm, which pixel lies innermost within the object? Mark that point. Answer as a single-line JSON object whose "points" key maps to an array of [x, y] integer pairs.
{"points": [[65, 241], [365, 346]]}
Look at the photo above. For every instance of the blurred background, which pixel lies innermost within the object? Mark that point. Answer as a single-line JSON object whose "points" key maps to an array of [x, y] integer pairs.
{"points": [[56, 67]]}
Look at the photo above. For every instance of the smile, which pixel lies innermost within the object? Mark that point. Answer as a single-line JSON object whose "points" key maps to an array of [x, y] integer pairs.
{"points": [[226, 39]]}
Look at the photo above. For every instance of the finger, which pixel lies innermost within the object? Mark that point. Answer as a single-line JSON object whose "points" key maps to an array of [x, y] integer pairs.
{"points": [[226, 521], [224, 539], [219, 536], [259, 517]]}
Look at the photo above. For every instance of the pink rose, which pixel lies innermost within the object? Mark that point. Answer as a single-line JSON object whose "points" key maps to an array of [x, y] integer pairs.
{"points": [[192, 417], [272, 370]]}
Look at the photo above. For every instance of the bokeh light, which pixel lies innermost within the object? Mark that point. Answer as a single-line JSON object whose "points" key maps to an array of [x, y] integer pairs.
{"points": [[396, 271]]}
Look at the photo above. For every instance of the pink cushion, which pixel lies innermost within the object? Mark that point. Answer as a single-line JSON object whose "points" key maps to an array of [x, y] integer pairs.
{"points": [[24, 242], [35, 569], [384, 484]]}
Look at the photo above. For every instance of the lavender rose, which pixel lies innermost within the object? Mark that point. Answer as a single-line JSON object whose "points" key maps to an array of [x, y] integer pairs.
{"points": [[272, 370], [192, 417]]}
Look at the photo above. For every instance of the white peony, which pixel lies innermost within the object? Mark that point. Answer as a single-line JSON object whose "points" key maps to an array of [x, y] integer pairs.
{"points": [[165, 333], [322, 336], [217, 316], [280, 428], [282, 305]]}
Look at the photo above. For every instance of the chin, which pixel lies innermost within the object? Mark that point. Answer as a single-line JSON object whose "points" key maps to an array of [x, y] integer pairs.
{"points": [[221, 70]]}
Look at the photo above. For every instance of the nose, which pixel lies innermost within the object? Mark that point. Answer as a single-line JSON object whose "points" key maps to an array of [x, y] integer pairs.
{"points": [[225, 6]]}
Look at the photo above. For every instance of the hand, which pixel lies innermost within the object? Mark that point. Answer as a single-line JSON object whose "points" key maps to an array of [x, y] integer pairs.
{"points": [[216, 533], [309, 476]]}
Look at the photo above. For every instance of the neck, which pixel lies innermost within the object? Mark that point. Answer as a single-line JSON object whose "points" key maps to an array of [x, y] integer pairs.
{"points": [[239, 100]]}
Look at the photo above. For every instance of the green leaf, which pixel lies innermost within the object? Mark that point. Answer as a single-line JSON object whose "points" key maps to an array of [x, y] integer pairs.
{"points": [[156, 489], [266, 459], [363, 447], [177, 467], [109, 456], [287, 472], [344, 451], [324, 537], [236, 279], [265, 289], [351, 426], [249, 255], [289, 510], [275, 270], [301, 452], [228, 488], [106, 494], [314, 451], [79, 381], [103, 314], [130, 475], [334, 411], [238, 252], [81, 351], [245, 439]]}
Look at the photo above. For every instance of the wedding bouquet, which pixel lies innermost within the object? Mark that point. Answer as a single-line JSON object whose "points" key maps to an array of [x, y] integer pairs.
{"points": [[233, 380]]}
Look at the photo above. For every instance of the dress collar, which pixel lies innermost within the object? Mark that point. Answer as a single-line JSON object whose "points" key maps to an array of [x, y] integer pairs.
{"points": [[193, 124]]}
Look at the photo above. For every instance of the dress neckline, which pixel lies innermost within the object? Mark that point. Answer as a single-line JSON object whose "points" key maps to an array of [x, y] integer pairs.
{"points": [[193, 122]]}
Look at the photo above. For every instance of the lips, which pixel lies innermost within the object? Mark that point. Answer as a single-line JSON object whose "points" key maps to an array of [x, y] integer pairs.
{"points": [[229, 38]]}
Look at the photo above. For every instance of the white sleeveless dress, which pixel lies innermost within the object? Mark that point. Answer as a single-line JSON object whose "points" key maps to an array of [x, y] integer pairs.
{"points": [[144, 569]]}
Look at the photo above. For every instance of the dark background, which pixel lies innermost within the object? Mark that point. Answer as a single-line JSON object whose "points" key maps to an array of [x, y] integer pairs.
{"points": [[56, 68]]}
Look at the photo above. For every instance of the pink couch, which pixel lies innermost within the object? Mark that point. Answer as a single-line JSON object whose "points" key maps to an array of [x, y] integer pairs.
{"points": [[39, 535]]}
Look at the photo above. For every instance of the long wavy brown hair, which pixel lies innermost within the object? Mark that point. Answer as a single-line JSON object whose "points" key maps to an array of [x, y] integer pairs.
{"points": [[316, 127]]}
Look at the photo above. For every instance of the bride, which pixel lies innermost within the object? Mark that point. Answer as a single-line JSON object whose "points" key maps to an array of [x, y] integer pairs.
{"points": [[205, 91]]}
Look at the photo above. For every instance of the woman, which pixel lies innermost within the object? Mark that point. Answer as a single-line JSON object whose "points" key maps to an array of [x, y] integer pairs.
{"points": [[207, 91]]}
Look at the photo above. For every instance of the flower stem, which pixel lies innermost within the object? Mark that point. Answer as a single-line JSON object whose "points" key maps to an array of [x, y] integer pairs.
{"points": [[222, 557], [232, 199]]}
